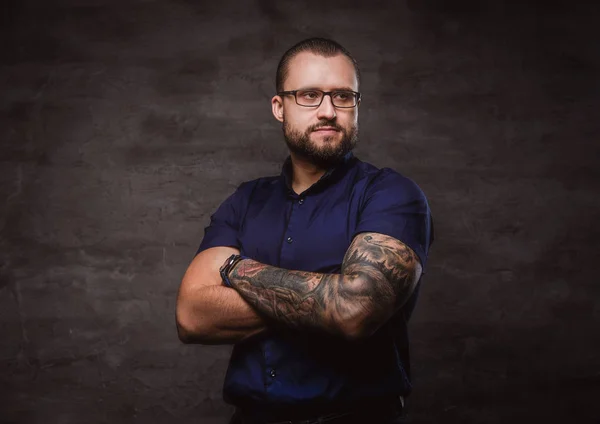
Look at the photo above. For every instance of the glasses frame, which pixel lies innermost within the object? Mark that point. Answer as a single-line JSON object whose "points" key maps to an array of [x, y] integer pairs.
{"points": [[325, 93]]}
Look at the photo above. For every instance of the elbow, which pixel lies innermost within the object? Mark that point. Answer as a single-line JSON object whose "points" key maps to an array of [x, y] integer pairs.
{"points": [[359, 327], [185, 335], [362, 322], [360, 316], [358, 332], [364, 317], [188, 329]]}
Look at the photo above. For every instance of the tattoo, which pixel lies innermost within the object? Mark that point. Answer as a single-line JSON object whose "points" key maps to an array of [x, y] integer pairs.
{"points": [[390, 265], [378, 275]]}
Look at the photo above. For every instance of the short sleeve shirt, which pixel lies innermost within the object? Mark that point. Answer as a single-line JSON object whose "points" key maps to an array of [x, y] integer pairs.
{"points": [[311, 231]]}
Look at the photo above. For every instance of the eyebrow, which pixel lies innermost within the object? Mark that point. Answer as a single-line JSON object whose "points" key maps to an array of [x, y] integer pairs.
{"points": [[334, 89]]}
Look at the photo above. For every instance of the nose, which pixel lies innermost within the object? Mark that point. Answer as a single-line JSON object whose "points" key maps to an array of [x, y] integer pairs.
{"points": [[326, 110]]}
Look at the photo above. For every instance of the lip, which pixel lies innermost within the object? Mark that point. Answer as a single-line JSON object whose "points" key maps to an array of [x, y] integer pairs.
{"points": [[326, 129]]}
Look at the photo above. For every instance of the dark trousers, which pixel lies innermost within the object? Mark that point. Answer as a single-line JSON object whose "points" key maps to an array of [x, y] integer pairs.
{"points": [[401, 419], [393, 415]]}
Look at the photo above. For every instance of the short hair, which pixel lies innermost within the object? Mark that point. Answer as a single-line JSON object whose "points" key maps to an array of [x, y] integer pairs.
{"points": [[319, 46]]}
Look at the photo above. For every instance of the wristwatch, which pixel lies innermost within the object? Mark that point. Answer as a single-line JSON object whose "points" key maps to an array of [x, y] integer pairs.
{"points": [[227, 267]]}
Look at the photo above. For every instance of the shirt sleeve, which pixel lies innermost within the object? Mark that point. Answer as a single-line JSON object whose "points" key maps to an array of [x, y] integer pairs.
{"points": [[225, 223], [395, 206]]}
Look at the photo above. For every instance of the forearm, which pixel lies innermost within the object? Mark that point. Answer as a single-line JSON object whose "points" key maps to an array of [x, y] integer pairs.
{"points": [[298, 299], [378, 275], [217, 315]]}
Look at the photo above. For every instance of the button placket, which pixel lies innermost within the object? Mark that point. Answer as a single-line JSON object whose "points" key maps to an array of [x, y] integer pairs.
{"points": [[289, 237]]}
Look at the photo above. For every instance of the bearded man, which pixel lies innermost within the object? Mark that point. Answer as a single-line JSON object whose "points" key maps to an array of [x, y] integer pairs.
{"points": [[313, 274]]}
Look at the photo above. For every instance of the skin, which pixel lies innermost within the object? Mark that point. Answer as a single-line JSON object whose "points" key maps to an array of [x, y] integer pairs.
{"points": [[307, 70], [378, 275], [210, 313], [378, 272]]}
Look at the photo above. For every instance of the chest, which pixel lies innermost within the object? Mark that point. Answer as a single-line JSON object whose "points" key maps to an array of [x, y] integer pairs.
{"points": [[310, 233]]}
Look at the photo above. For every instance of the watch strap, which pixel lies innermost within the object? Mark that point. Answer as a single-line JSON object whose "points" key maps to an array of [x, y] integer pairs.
{"points": [[228, 266]]}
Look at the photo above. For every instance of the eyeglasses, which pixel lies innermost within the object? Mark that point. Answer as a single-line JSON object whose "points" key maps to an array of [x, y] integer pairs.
{"points": [[314, 98]]}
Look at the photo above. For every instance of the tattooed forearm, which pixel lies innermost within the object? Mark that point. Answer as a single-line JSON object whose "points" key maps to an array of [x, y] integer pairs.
{"points": [[378, 275], [297, 299]]}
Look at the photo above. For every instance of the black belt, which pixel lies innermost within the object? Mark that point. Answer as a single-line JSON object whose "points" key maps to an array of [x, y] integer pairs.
{"points": [[371, 412]]}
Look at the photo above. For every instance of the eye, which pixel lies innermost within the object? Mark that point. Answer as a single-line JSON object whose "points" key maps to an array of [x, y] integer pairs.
{"points": [[310, 95], [343, 95]]}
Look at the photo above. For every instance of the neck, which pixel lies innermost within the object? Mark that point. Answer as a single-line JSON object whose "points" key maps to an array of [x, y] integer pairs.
{"points": [[305, 173]]}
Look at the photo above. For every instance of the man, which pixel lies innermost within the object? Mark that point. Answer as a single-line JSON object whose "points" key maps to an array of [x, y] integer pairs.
{"points": [[312, 274]]}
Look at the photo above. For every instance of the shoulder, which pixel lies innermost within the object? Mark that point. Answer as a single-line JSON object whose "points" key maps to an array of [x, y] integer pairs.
{"points": [[246, 188], [388, 182], [236, 202], [248, 191]]}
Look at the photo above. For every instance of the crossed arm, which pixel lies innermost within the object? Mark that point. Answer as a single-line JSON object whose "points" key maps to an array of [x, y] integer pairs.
{"points": [[378, 275]]}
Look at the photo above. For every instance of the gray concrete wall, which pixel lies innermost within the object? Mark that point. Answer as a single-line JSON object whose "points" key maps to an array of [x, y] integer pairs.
{"points": [[125, 124]]}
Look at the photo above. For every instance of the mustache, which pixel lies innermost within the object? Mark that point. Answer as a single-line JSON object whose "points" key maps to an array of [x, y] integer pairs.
{"points": [[325, 124]]}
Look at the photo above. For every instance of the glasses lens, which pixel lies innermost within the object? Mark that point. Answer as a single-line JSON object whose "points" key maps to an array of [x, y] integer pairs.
{"points": [[343, 98], [309, 97], [314, 98]]}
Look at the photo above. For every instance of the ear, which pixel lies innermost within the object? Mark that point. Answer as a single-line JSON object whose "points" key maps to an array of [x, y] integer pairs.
{"points": [[277, 108]]}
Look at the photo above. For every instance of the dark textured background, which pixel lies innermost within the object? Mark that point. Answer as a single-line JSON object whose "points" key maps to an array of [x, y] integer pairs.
{"points": [[125, 124]]}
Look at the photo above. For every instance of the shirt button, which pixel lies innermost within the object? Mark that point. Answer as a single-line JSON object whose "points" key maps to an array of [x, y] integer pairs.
{"points": [[289, 240], [273, 373], [301, 201]]}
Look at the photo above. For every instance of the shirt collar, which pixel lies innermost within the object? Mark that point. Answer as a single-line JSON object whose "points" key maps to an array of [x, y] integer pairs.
{"points": [[328, 176]]}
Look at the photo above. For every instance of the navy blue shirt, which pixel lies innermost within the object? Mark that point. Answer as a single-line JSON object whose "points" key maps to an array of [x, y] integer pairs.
{"points": [[267, 221]]}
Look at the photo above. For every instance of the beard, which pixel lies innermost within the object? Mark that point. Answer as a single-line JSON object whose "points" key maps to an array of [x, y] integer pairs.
{"points": [[325, 156]]}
